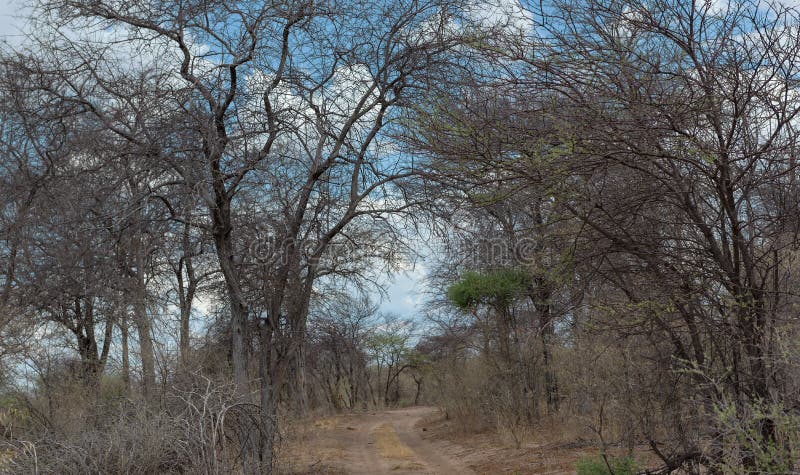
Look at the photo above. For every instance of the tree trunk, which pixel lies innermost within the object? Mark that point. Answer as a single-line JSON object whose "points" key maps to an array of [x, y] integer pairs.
{"points": [[126, 362], [186, 311], [268, 412], [146, 351], [525, 387], [546, 333], [186, 292], [87, 345], [300, 375], [256, 441], [186, 298], [238, 308], [297, 354]]}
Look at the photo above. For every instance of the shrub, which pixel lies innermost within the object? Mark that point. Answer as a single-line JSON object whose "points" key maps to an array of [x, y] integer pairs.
{"points": [[195, 429], [598, 466], [742, 444]]}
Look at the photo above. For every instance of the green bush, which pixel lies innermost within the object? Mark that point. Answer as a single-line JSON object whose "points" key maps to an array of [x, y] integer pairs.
{"points": [[745, 448], [597, 466]]}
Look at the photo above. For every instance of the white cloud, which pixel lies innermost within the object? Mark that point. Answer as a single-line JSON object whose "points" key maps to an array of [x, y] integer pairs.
{"points": [[11, 21], [505, 14], [405, 292], [722, 5]]}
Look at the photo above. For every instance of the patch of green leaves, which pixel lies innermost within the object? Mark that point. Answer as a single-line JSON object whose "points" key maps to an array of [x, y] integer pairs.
{"points": [[497, 288], [598, 466]]}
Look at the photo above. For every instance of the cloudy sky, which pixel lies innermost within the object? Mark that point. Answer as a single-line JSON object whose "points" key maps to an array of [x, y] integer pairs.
{"points": [[9, 9], [404, 289], [405, 293]]}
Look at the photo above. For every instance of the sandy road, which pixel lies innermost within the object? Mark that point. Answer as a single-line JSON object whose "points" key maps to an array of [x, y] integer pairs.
{"points": [[384, 442]]}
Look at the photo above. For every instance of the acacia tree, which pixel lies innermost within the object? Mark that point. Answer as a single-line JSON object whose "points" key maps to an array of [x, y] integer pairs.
{"points": [[389, 348], [63, 274], [58, 266], [490, 215], [499, 292]]}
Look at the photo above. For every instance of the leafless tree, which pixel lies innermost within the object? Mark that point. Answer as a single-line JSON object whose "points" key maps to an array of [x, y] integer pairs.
{"points": [[286, 103], [665, 132]]}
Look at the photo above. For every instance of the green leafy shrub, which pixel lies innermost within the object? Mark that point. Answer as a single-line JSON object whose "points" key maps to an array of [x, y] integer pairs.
{"points": [[746, 447], [597, 466]]}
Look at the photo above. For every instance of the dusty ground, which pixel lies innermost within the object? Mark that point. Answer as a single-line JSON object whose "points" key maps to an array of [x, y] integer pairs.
{"points": [[415, 441], [373, 443], [493, 453]]}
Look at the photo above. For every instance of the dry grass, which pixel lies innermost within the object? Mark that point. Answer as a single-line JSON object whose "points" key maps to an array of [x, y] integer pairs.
{"points": [[6, 460], [328, 423], [389, 445], [306, 444], [547, 450]]}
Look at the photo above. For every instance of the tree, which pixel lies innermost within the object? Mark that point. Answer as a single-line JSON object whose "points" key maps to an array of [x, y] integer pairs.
{"points": [[286, 103], [500, 291], [685, 180], [664, 132], [339, 329], [390, 351]]}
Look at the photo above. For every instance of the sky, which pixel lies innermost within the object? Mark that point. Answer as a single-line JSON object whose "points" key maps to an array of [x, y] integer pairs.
{"points": [[404, 293], [404, 290], [9, 23]]}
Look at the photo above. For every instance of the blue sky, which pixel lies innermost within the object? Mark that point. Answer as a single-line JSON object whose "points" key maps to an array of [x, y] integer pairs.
{"points": [[405, 292]]}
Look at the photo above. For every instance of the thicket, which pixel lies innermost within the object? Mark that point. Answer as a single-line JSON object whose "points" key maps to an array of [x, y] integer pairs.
{"points": [[195, 193]]}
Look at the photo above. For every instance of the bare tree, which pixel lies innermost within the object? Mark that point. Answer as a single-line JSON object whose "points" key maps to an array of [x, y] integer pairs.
{"points": [[286, 101], [665, 133]]}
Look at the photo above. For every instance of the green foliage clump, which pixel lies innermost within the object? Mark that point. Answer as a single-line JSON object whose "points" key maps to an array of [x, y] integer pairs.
{"points": [[386, 341], [497, 288], [597, 466], [745, 445]]}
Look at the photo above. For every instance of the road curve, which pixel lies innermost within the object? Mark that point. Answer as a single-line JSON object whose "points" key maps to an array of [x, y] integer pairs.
{"points": [[389, 442]]}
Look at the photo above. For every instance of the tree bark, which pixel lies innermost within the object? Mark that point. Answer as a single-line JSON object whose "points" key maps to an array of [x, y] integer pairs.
{"points": [[541, 300], [268, 410], [186, 293], [222, 229], [146, 351]]}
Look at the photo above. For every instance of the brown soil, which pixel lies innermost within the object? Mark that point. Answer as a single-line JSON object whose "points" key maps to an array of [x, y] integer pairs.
{"points": [[493, 453], [418, 441], [386, 442]]}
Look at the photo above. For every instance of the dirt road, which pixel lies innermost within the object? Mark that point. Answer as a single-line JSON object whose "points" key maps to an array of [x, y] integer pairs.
{"points": [[377, 443]]}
